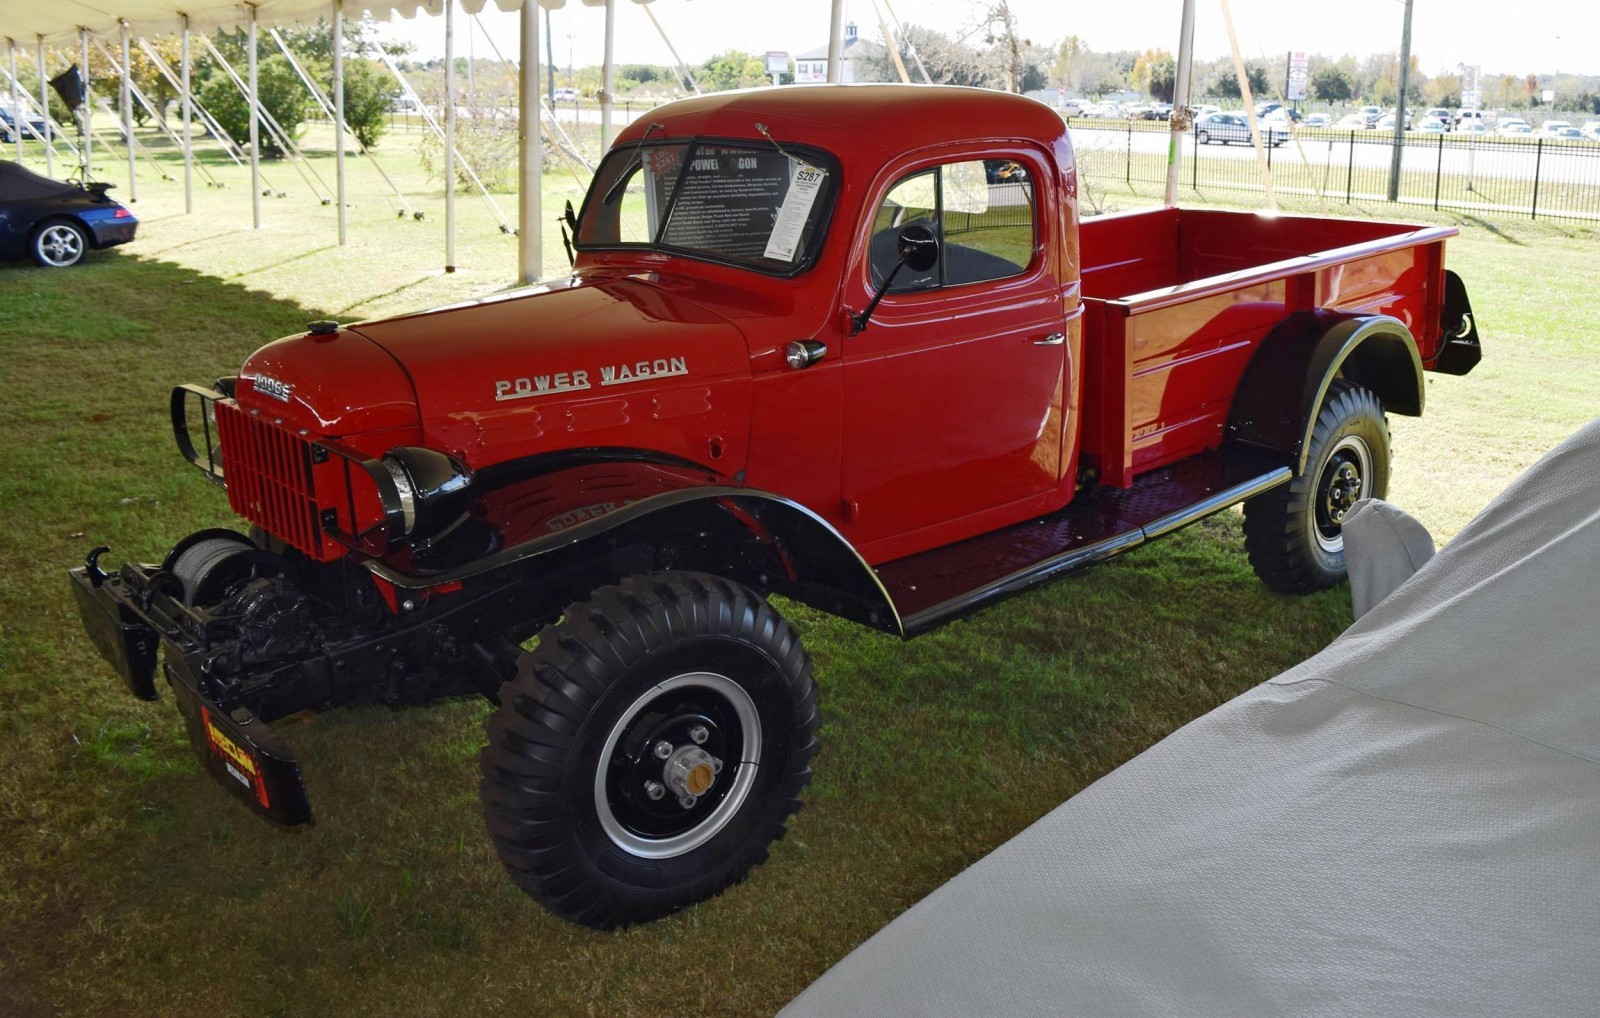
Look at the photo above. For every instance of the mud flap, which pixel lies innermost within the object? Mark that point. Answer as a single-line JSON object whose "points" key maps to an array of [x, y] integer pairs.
{"points": [[1460, 351], [244, 755]]}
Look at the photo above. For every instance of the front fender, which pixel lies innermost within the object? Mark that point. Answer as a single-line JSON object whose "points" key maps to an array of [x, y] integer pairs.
{"points": [[1282, 389], [599, 520]]}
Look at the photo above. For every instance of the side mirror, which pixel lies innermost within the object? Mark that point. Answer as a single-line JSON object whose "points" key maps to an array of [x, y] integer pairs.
{"points": [[918, 250]]}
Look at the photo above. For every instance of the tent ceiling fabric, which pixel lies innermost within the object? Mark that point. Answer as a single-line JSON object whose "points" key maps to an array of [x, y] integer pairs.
{"points": [[59, 20]]}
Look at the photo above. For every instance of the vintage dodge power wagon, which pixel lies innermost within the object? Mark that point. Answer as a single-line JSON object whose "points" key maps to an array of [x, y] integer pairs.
{"points": [[849, 345]]}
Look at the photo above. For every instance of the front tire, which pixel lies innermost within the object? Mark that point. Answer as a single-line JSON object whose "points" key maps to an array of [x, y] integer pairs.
{"points": [[1294, 533], [650, 749], [59, 244], [1203, 138]]}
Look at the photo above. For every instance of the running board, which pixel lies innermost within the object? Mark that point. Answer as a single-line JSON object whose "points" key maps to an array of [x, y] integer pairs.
{"points": [[942, 585]]}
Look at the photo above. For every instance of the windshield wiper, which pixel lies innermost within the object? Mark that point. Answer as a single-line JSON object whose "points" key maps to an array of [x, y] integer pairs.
{"points": [[615, 190]]}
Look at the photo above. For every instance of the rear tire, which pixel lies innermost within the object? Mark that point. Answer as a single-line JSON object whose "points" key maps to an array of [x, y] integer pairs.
{"points": [[1293, 533], [59, 244], [650, 748], [1203, 138]]}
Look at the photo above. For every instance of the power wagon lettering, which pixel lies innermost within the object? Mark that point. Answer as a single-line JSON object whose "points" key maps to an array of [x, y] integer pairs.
{"points": [[574, 381]]}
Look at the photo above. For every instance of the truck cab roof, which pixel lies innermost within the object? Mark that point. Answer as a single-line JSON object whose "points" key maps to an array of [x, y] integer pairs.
{"points": [[856, 119]]}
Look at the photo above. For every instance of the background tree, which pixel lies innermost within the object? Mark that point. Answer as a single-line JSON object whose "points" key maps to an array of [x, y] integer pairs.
{"points": [[369, 91], [732, 69], [1226, 83], [948, 61], [281, 92], [106, 81], [1330, 85], [1155, 74]]}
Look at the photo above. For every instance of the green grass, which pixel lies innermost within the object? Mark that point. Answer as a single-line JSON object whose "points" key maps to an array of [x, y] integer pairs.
{"points": [[132, 885]]}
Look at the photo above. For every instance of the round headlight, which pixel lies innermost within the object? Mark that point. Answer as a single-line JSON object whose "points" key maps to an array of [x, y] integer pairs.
{"points": [[432, 488]]}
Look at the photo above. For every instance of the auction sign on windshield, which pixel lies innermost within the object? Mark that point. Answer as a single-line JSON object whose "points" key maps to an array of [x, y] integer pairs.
{"points": [[752, 205]]}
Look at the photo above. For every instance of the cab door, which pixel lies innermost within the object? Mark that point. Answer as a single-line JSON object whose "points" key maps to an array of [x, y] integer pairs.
{"points": [[953, 392]]}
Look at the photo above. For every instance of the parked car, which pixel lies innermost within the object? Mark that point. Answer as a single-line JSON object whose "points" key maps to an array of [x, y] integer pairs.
{"points": [[1553, 128], [1591, 130], [1370, 115], [1070, 107], [1353, 122], [57, 223], [1481, 117], [1281, 115], [566, 94], [31, 125], [1317, 120], [1442, 114], [1432, 125], [1568, 133], [1472, 127], [1514, 129], [1235, 127]]}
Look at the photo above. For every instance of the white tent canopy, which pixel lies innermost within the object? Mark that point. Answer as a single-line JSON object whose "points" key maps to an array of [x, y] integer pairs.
{"points": [[38, 23], [60, 21]]}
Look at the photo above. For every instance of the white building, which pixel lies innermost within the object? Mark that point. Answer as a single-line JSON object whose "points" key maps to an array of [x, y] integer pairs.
{"points": [[812, 65]]}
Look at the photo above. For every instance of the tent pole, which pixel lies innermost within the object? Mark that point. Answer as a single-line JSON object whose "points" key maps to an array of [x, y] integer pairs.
{"points": [[126, 98], [188, 121], [836, 42], [449, 136], [338, 112], [607, 76], [44, 105], [17, 116], [255, 120], [1179, 122], [86, 163], [530, 252]]}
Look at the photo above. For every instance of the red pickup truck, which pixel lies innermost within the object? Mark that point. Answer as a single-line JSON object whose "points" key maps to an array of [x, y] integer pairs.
{"points": [[847, 345]]}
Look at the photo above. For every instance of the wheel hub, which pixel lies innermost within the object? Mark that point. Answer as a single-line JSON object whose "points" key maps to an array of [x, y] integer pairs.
{"points": [[690, 772], [661, 789], [1345, 480]]}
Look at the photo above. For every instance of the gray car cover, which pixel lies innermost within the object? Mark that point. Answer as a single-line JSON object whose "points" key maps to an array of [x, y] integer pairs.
{"points": [[1407, 823]]}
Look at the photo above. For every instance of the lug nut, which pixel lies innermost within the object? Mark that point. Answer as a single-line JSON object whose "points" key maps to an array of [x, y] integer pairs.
{"points": [[687, 801], [654, 789], [699, 734], [716, 766], [663, 749]]}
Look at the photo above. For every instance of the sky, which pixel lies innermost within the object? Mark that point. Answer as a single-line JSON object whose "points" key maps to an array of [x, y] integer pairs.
{"points": [[1552, 36]]}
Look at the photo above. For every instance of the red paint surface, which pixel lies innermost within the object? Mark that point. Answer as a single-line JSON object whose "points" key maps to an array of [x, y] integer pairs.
{"points": [[943, 419]]}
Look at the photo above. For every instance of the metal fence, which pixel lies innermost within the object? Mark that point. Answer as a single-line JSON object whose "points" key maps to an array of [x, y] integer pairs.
{"points": [[1536, 177]]}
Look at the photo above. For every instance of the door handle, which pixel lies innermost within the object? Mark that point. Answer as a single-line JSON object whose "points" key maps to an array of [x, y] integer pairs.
{"points": [[1054, 339]]}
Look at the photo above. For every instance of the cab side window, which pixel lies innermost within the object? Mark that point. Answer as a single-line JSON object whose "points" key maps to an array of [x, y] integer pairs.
{"points": [[982, 212]]}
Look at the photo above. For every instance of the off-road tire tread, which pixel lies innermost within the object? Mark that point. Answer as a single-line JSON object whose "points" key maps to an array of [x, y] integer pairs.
{"points": [[1275, 523], [558, 686]]}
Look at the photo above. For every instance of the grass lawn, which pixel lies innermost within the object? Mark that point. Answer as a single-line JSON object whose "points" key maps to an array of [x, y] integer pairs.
{"points": [[131, 884]]}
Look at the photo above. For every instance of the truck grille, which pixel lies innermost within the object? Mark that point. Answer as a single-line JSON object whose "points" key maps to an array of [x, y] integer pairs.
{"points": [[268, 471]]}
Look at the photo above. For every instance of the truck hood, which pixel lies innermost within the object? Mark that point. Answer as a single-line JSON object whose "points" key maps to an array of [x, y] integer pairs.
{"points": [[571, 365]]}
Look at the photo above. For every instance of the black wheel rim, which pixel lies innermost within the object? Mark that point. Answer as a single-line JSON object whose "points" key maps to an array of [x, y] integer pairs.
{"points": [[1346, 477], [694, 727]]}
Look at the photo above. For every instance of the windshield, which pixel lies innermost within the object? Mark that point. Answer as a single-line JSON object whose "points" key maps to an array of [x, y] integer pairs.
{"points": [[742, 202]]}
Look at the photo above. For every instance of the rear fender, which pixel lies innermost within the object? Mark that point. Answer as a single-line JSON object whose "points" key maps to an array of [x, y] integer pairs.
{"points": [[1283, 386], [564, 532]]}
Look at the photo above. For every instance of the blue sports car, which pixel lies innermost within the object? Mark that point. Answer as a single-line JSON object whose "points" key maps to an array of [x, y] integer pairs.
{"points": [[54, 222]]}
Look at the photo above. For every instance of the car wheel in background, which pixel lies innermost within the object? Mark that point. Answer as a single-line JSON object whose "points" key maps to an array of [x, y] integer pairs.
{"points": [[59, 243]]}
